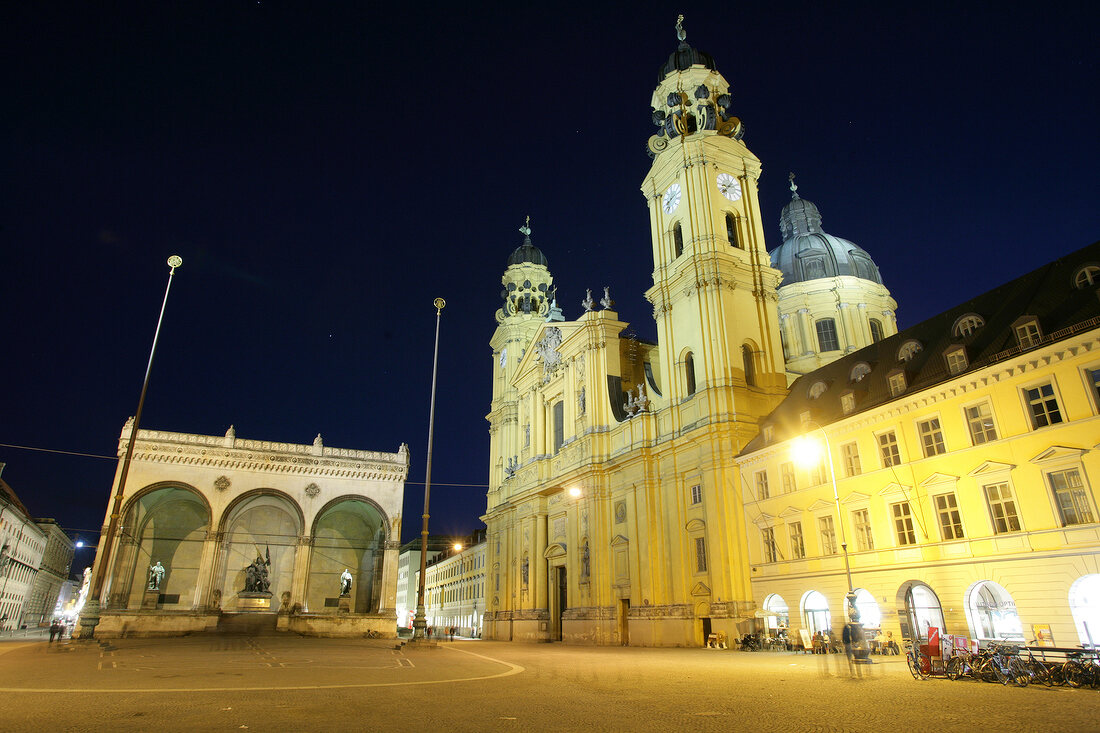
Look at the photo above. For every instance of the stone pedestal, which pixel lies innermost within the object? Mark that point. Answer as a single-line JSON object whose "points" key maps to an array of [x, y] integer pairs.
{"points": [[254, 601], [150, 599], [344, 605]]}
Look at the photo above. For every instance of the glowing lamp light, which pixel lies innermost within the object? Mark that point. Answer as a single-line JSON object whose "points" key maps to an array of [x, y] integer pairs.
{"points": [[574, 492], [806, 451], [80, 543], [458, 546]]}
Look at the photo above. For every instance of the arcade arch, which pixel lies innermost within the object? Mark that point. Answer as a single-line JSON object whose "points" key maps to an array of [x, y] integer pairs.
{"points": [[264, 523], [349, 532], [1084, 604], [920, 606], [165, 522], [991, 612]]}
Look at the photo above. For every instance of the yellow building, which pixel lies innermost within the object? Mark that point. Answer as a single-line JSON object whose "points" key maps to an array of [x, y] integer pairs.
{"points": [[454, 588], [965, 456], [612, 510]]}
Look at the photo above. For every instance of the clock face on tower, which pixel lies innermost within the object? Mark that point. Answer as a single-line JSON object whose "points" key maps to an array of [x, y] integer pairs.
{"points": [[729, 186], [672, 198]]}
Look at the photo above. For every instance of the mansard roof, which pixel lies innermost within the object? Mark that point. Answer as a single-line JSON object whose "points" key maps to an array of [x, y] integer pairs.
{"points": [[1048, 294]]}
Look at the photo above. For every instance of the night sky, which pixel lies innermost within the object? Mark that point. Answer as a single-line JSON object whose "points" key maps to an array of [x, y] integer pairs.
{"points": [[327, 169]]}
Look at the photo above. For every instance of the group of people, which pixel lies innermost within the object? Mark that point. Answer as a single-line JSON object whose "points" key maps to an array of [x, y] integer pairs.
{"points": [[57, 630], [447, 633]]}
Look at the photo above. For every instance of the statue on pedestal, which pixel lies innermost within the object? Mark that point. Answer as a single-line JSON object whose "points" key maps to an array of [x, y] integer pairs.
{"points": [[256, 580], [345, 583], [156, 576]]}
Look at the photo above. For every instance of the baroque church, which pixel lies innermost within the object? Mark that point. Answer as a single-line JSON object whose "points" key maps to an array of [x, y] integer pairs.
{"points": [[642, 493]]}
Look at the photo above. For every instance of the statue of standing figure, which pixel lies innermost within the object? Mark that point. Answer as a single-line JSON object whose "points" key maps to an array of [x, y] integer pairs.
{"points": [[345, 583], [156, 576]]}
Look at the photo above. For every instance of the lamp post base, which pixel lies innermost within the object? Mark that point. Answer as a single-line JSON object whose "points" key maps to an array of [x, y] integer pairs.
{"points": [[89, 619]]}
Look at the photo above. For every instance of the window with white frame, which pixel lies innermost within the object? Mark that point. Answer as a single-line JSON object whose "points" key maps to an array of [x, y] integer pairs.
{"points": [[888, 449], [762, 485], [979, 418], [896, 382], [847, 402], [956, 360], [820, 473], [1086, 277], [770, 550], [769, 433], [903, 523], [967, 325], [786, 474], [861, 521], [696, 494], [1027, 332], [700, 554], [931, 437], [947, 510], [798, 545], [909, 349], [1071, 497], [1042, 405], [1092, 376], [859, 371], [828, 535], [849, 453], [826, 335], [817, 389]]}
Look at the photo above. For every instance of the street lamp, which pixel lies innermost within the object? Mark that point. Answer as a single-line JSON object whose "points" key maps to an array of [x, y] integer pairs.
{"points": [[421, 622], [806, 451], [89, 619]]}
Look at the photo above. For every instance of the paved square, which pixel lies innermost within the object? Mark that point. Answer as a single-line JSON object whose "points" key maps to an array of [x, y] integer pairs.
{"points": [[279, 682]]}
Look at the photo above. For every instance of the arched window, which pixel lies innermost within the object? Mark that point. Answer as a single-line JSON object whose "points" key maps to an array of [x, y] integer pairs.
{"points": [[876, 330], [859, 371], [731, 231], [992, 612], [909, 349], [677, 239], [1084, 604], [1086, 277], [922, 609], [776, 614], [826, 335], [817, 389], [815, 612], [750, 369], [967, 325], [689, 372], [870, 615]]}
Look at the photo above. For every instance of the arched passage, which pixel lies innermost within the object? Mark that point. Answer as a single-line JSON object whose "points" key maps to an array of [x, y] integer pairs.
{"points": [[920, 607], [991, 612], [264, 523], [349, 533], [164, 523], [776, 614], [815, 612], [870, 615], [1084, 604]]}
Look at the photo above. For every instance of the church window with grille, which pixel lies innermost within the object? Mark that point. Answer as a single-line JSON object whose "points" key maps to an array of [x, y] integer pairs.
{"points": [[559, 425], [689, 372], [750, 369], [876, 330], [677, 239], [826, 335]]}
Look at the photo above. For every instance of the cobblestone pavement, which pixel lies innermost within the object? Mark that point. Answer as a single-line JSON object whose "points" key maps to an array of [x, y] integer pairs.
{"points": [[279, 682]]}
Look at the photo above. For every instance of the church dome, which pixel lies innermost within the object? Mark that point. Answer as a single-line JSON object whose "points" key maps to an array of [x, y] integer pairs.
{"points": [[684, 57], [527, 252], [809, 253]]}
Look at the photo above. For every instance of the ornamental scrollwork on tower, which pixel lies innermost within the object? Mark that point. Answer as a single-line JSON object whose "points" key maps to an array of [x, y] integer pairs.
{"points": [[548, 353]]}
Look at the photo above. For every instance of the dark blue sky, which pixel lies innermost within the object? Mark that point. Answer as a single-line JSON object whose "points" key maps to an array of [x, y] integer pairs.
{"points": [[327, 169]]}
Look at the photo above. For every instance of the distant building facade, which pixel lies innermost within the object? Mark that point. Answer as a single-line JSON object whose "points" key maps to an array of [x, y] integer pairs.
{"points": [[454, 588], [57, 561], [22, 544], [408, 569], [208, 507]]}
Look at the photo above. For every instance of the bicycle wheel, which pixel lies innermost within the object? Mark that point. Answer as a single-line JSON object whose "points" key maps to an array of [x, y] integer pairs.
{"points": [[1018, 672], [915, 667], [955, 668], [1074, 674], [1039, 672]]}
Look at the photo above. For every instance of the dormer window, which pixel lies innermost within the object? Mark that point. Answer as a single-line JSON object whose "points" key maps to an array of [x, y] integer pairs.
{"points": [[769, 433], [847, 402], [817, 389], [956, 360], [859, 371], [1027, 332], [967, 325], [909, 349], [1086, 277], [897, 383], [804, 418]]}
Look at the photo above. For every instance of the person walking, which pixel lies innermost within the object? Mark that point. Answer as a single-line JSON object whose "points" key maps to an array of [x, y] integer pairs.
{"points": [[55, 628]]}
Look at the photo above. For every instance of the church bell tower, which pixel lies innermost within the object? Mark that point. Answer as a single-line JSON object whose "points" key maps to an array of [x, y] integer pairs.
{"points": [[714, 290]]}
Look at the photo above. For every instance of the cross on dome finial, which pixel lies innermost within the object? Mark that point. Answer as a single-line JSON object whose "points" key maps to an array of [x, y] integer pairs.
{"points": [[525, 230], [794, 187], [680, 33]]}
